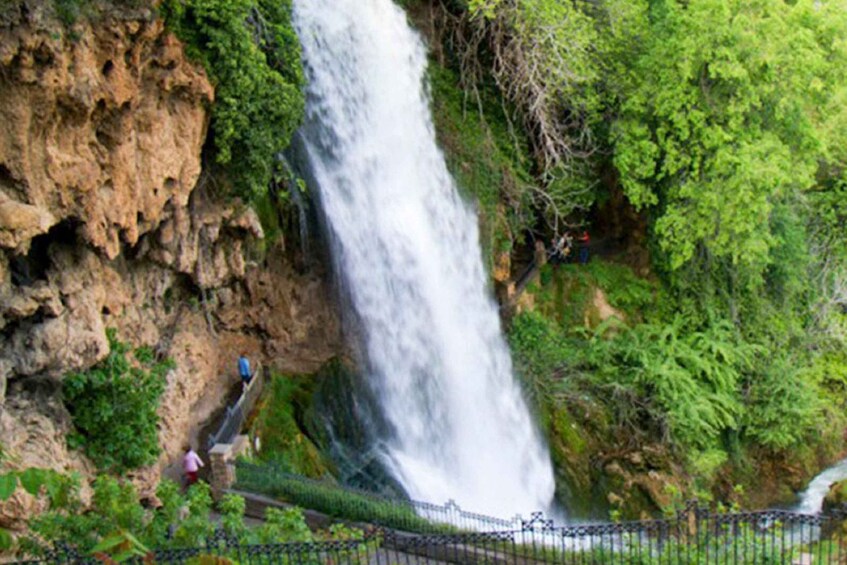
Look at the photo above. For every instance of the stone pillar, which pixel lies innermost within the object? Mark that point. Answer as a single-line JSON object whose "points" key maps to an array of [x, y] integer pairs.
{"points": [[222, 462]]}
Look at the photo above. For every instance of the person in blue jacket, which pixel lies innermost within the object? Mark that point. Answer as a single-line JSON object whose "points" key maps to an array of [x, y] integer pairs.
{"points": [[244, 369]]}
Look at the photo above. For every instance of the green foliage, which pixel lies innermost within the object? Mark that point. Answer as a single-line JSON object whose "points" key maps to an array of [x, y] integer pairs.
{"points": [[563, 65], [109, 527], [197, 527], [539, 345], [696, 384], [783, 407], [560, 39], [288, 524], [232, 509], [705, 464], [548, 61], [828, 203], [118, 526], [724, 125], [120, 548], [59, 489], [251, 52], [691, 380], [566, 293], [113, 406], [69, 11], [276, 425]]}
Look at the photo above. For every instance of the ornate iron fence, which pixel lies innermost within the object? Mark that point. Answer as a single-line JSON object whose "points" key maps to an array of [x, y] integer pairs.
{"points": [[222, 549], [694, 536]]}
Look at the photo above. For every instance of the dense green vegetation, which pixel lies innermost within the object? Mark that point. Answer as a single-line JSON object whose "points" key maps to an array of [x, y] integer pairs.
{"points": [[118, 526], [114, 407], [722, 125], [704, 401], [252, 55]]}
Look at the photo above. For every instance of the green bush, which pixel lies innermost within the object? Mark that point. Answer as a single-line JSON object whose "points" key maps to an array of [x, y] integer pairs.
{"points": [[690, 380], [116, 516], [783, 408], [68, 11], [113, 406], [539, 346], [251, 52]]}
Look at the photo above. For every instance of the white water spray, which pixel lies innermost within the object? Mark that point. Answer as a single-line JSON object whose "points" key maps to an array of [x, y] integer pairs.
{"points": [[407, 248]]}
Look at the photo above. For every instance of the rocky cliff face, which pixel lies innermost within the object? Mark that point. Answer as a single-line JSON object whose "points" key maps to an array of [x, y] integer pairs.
{"points": [[105, 222]]}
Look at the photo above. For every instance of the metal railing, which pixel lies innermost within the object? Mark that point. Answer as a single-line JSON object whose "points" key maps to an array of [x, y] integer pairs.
{"points": [[694, 536], [238, 412]]}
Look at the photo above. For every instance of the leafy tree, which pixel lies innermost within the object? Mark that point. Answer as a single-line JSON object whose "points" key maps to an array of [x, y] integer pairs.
{"points": [[114, 407], [724, 123], [561, 65]]}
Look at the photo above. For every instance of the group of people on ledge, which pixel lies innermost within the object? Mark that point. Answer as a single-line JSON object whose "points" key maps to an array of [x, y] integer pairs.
{"points": [[562, 250]]}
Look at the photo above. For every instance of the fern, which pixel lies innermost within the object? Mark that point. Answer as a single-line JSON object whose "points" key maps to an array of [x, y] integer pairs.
{"points": [[691, 380]]}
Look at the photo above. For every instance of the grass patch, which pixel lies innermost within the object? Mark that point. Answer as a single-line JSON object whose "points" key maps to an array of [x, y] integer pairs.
{"points": [[333, 500], [565, 293]]}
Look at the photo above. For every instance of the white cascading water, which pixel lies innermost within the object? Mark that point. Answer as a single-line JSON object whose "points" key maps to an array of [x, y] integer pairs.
{"points": [[407, 249], [811, 499]]}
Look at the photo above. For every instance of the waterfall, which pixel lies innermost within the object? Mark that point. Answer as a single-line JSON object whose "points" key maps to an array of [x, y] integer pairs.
{"points": [[406, 248]]}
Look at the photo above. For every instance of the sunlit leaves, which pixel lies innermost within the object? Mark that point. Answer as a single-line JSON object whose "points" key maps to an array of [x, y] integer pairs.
{"points": [[725, 120]]}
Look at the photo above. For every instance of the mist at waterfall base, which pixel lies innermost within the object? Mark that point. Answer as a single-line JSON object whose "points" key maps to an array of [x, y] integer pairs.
{"points": [[406, 250]]}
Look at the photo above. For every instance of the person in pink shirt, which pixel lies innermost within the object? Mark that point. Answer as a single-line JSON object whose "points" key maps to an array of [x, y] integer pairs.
{"points": [[191, 463]]}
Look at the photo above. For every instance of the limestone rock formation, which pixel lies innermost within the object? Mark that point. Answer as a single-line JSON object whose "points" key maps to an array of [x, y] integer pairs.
{"points": [[105, 223], [100, 138], [105, 127]]}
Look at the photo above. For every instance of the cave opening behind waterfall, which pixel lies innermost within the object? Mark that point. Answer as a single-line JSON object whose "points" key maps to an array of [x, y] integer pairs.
{"points": [[618, 232]]}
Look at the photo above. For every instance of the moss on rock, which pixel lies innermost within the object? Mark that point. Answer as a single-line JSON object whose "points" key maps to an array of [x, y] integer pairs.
{"points": [[279, 429]]}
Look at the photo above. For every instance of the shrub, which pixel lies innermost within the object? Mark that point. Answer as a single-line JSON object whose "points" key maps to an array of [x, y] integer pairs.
{"points": [[113, 406]]}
